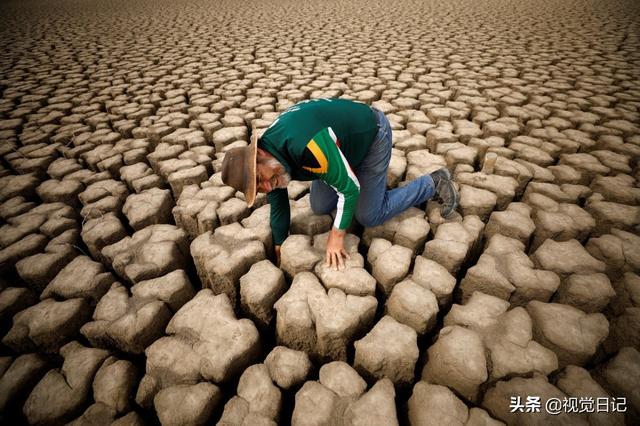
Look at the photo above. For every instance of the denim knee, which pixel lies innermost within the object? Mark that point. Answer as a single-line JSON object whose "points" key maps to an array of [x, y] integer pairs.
{"points": [[319, 207], [368, 219]]}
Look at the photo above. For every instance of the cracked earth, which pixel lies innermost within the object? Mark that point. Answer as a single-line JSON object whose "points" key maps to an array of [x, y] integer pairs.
{"points": [[136, 288]]}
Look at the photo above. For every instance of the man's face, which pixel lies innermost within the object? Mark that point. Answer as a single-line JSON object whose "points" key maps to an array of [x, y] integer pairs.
{"points": [[270, 174]]}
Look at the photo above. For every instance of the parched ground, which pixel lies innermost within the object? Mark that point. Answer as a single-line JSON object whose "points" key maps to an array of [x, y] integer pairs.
{"points": [[136, 288]]}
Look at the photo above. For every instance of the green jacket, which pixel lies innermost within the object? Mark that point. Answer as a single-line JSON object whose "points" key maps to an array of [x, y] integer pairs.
{"points": [[322, 139]]}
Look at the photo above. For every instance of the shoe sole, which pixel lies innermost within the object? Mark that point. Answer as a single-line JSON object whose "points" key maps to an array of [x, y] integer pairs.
{"points": [[454, 203]]}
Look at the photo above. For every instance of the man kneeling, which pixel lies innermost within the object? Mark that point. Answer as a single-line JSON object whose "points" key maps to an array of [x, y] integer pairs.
{"points": [[344, 147]]}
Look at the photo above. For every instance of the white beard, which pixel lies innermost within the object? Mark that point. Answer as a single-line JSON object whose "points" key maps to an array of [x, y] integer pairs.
{"points": [[283, 176]]}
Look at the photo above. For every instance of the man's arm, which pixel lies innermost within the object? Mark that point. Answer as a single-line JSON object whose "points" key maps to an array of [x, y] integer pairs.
{"points": [[280, 217], [323, 158]]}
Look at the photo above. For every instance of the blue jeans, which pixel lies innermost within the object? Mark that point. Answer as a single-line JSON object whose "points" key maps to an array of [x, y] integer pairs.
{"points": [[376, 204]]}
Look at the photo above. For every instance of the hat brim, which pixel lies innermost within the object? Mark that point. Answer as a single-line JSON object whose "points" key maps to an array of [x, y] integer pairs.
{"points": [[250, 182]]}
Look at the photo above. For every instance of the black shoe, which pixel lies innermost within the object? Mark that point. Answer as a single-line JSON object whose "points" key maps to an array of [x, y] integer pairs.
{"points": [[445, 191], [440, 174]]}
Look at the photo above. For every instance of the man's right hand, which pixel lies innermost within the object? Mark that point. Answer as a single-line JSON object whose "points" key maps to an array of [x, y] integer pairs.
{"points": [[335, 250], [277, 250]]}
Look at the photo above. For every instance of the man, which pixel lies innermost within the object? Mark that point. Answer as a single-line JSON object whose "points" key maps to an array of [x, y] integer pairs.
{"points": [[344, 147]]}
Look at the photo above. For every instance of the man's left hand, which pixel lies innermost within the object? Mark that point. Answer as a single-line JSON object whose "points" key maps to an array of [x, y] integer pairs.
{"points": [[277, 250], [335, 249]]}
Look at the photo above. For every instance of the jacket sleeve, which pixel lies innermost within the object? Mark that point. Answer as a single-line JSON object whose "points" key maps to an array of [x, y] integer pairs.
{"points": [[280, 215], [323, 157]]}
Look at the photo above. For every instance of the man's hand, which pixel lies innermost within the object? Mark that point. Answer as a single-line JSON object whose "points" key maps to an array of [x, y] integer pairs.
{"points": [[277, 250], [335, 249]]}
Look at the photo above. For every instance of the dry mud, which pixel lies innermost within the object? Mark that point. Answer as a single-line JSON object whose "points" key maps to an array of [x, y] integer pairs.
{"points": [[137, 289]]}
